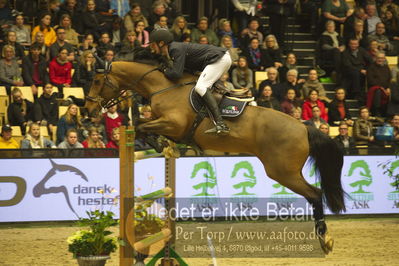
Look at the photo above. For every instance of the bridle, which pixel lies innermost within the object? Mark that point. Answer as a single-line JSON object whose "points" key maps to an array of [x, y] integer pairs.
{"points": [[120, 97]]}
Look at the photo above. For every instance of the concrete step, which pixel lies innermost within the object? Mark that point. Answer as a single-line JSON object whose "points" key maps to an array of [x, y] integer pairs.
{"points": [[305, 61], [300, 52], [302, 44]]}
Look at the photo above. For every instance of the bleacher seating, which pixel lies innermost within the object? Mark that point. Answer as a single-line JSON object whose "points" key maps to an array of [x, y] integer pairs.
{"points": [[4, 101], [259, 77], [17, 134], [74, 91]]}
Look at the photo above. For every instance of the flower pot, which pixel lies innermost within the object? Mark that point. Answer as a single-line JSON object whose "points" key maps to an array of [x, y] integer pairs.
{"points": [[93, 260]]}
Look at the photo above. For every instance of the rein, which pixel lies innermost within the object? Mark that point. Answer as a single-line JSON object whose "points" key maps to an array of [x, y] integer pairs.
{"points": [[115, 88], [172, 87]]}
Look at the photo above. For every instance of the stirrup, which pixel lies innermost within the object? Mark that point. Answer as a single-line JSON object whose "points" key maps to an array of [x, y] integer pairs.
{"points": [[219, 129]]}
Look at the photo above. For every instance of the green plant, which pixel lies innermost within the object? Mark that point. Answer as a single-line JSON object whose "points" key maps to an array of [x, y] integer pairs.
{"points": [[97, 240], [146, 223]]}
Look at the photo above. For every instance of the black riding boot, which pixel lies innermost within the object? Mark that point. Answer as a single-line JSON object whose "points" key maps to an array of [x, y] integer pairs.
{"points": [[212, 106]]}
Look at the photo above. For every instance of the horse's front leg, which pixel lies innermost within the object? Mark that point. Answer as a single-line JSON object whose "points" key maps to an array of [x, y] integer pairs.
{"points": [[164, 126]]}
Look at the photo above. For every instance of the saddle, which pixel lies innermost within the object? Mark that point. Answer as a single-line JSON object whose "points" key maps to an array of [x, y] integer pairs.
{"points": [[231, 102]]}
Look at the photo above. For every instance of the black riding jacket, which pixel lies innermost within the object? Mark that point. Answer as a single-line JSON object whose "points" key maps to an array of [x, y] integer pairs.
{"points": [[191, 56]]}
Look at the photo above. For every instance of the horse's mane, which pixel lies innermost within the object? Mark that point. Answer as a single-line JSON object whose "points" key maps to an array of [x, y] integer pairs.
{"points": [[144, 56]]}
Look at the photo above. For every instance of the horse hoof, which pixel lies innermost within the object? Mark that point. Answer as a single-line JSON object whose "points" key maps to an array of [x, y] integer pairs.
{"points": [[326, 243]]}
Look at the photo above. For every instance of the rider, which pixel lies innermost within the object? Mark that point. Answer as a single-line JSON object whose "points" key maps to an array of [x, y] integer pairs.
{"points": [[211, 60]]}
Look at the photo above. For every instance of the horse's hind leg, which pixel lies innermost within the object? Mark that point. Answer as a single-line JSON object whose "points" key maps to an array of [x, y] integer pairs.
{"points": [[294, 180]]}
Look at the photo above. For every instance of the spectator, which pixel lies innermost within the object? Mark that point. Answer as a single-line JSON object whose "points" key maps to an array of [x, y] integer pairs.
{"points": [[118, 31], [382, 40], [61, 43], [313, 83], [325, 128], [6, 139], [12, 41], [202, 29], [97, 123], [44, 27], [227, 42], [272, 81], [34, 69], [378, 81], [349, 26], [179, 29], [48, 108], [104, 7], [44, 50], [315, 120], [71, 36], [388, 5], [358, 33], [92, 21], [355, 63], [71, 143], [242, 76], [160, 8], [335, 10], [311, 101], [374, 49], [69, 120], [258, 59], [363, 127], [6, 18], [88, 44], [71, 8], [267, 100], [113, 119], [290, 63], [395, 125], [391, 23], [133, 16], [104, 45], [54, 8], [244, 10], [393, 105], [338, 110], [114, 141], [273, 50], [21, 112], [22, 32], [10, 75], [291, 83], [296, 113], [85, 72], [93, 140], [142, 35], [60, 71], [252, 31], [162, 23], [372, 18], [279, 11], [225, 30], [332, 46], [130, 43], [203, 39], [33, 139], [121, 7], [290, 102], [344, 141], [225, 80]]}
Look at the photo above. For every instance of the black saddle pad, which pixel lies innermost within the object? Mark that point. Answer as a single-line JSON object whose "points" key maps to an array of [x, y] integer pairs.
{"points": [[228, 107]]}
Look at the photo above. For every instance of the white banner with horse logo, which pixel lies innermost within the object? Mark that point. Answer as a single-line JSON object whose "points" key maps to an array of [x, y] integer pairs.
{"points": [[63, 189]]}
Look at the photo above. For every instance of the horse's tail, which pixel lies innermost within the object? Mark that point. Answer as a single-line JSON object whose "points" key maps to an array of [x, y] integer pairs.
{"points": [[329, 159]]}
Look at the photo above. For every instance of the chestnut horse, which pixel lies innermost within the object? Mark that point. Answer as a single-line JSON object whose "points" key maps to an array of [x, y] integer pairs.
{"points": [[281, 143]]}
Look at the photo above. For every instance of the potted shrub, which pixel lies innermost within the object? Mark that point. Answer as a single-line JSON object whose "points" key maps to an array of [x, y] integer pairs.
{"points": [[94, 245]]}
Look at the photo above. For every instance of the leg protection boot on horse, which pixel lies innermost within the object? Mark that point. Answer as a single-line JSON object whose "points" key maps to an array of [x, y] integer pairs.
{"points": [[212, 106]]}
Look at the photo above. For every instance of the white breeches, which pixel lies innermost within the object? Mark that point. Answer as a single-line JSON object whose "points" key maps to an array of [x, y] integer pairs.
{"points": [[212, 73]]}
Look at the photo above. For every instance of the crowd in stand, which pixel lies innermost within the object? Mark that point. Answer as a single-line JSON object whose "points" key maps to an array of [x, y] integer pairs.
{"points": [[74, 38]]}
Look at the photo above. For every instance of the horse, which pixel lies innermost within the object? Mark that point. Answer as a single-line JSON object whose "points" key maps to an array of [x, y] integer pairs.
{"points": [[282, 143]]}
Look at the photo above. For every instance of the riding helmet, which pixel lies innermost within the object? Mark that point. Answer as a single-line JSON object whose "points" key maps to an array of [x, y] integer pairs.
{"points": [[161, 35]]}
